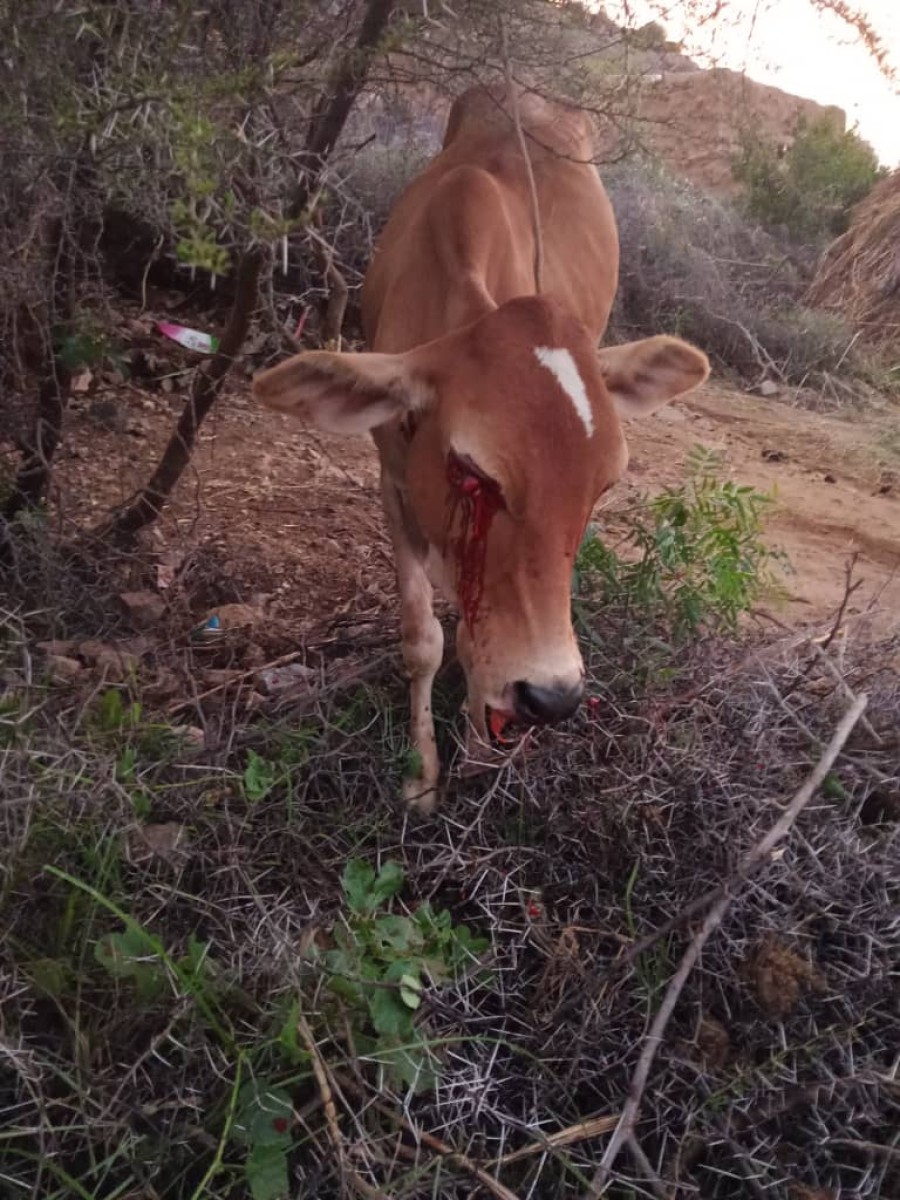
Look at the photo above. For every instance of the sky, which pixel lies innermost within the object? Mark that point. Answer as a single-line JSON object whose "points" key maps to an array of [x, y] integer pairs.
{"points": [[788, 44]]}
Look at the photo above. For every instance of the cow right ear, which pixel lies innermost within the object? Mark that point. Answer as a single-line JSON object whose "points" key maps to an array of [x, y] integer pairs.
{"points": [[344, 393], [641, 376]]}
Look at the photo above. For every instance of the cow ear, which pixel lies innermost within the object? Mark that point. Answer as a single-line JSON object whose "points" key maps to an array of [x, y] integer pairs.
{"points": [[344, 393], [642, 376]]}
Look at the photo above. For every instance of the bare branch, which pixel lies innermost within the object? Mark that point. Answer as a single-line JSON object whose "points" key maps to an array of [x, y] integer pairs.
{"points": [[760, 852]]}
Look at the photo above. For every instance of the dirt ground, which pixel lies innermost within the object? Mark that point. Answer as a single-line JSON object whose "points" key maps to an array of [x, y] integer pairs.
{"points": [[295, 514], [835, 481], [221, 817]]}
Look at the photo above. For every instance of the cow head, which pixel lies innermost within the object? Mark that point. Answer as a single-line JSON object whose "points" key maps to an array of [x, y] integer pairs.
{"points": [[500, 438]]}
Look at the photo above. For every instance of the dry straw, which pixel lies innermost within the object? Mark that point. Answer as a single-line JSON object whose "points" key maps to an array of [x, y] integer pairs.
{"points": [[859, 275]]}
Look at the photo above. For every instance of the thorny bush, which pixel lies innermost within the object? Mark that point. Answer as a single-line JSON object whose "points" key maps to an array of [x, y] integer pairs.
{"points": [[693, 265], [159, 899]]}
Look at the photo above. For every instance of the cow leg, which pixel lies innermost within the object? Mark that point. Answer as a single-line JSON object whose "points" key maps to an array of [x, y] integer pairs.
{"points": [[422, 643]]}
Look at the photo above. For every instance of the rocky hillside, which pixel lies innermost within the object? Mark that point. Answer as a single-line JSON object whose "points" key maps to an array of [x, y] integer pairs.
{"points": [[647, 94], [692, 120]]}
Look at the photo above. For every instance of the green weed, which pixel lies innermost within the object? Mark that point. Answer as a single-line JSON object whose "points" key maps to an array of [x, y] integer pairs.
{"points": [[810, 188], [259, 777], [380, 964], [89, 345], [264, 1123], [140, 956], [700, 559]]}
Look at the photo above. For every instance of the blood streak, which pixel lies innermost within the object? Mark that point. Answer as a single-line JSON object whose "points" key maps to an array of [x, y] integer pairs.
{"points": [[498, 721], [478, 500]]}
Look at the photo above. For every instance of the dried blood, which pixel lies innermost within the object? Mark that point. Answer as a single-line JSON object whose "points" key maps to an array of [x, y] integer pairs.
{"points": [[478, 500], [498, 722]]}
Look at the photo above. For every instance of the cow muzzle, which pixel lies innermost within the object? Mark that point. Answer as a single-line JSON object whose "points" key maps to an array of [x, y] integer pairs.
{"points": [[536, 705]]}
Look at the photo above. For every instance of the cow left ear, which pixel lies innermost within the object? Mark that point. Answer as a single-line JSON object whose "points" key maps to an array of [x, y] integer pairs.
{"points": [[642, 376], [344, 393]]}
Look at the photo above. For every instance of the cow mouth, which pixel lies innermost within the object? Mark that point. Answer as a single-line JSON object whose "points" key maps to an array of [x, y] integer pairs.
{"points": [[504, 728], [498, 739]]}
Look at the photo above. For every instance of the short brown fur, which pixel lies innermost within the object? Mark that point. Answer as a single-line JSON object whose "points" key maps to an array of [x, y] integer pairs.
{"points": [[469, 365]]}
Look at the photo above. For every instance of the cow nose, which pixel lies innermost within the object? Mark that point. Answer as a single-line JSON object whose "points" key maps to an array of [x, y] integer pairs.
{"points": [[545, 705]]}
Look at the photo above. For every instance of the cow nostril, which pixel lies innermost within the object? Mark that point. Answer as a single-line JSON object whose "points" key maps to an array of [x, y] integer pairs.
{"points": [[545, 705]]}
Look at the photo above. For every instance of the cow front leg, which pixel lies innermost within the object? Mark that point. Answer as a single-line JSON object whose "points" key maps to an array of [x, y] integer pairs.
{"points": [[422, 644]]}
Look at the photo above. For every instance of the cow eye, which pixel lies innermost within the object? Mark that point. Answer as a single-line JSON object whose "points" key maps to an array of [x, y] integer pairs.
{"points": [[467, 478]]}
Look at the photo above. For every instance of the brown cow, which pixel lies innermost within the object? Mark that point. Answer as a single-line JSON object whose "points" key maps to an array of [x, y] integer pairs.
{"points": [[497, 420]]}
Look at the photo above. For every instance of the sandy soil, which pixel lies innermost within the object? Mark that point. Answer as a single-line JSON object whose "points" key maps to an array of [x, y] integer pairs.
{"points": [[835, 480]]}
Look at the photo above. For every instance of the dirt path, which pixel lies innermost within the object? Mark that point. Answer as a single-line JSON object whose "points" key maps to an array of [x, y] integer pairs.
{"points": [[836, 484], [295, 515]]}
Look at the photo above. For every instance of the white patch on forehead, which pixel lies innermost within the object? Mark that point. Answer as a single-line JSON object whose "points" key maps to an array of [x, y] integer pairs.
{"points": [[561, 365]]}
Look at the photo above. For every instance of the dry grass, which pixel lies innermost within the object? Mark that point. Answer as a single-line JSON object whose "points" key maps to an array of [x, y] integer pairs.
{"points": [[564, 859], [859, 275], [693, 265]]}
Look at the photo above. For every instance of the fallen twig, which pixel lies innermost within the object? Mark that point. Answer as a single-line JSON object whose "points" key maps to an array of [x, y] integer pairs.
{"points": [[845, 688], [761, 851], [303, 703], [849, 588], [320, 1070], [283, 660], [891, 1152], [657, 1187], [455, 1157], [594, 981], [580, 1132], [526, 159]]}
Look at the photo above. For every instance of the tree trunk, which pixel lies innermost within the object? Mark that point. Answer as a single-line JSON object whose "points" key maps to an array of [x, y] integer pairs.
{"points": [[33, 477], [71, 235], [330, 114], [149, 503], [326, 123]]}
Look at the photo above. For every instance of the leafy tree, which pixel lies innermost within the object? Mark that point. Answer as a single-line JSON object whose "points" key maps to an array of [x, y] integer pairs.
{"points": [[810, 187]]}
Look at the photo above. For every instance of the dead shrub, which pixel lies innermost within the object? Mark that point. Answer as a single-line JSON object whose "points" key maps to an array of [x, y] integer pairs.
{"points": [[371, 181], [859, 275], [693, 266]]}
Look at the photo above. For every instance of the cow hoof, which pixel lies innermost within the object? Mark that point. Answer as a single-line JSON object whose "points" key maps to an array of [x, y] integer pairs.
{"points": [[420, 795]]}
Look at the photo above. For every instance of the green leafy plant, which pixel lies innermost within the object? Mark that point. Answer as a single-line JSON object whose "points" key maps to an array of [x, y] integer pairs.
{"points": [[412, 763], [699, 557], [263, 1123], [113, 714], [124, 953], [134, 954], [131, 955], [126, 764], [380, 964], [87, 345], [809, 187], [259, 777]]}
